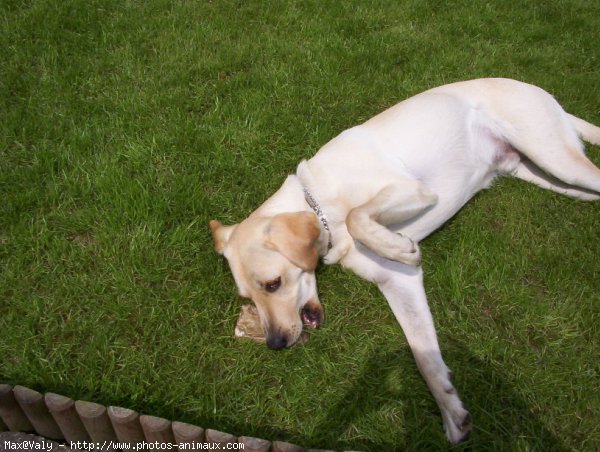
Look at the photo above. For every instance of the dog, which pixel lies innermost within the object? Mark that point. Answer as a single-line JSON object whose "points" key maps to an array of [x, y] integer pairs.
{"points": [[368, 197]]}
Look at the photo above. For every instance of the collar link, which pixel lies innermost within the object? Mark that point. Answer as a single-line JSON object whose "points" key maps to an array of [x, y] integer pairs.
{"points": [[319, 212]]}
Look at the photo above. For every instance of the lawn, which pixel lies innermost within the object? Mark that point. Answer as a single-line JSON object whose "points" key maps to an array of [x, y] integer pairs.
{"points": [[125, 126]]}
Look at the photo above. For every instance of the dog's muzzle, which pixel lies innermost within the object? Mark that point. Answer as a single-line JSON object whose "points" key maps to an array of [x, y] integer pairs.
{"points": [[312, 317]]}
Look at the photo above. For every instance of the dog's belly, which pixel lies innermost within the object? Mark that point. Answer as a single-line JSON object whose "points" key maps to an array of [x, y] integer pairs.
{"points": [[448, 145], [455, 185], [421, 226]]}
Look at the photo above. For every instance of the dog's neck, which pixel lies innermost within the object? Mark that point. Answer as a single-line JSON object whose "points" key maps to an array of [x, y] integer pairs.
{"points": [[291, 197]]}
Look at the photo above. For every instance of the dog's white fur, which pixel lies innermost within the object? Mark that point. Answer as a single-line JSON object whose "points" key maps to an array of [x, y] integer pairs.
{"points": [[388, 183]]}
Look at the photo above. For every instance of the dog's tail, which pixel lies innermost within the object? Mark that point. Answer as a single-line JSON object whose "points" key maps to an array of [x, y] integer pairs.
{"points": [[589, 132]]}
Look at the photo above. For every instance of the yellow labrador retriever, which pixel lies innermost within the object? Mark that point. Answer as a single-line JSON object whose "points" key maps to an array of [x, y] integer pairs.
{"points": [[371, 194]]}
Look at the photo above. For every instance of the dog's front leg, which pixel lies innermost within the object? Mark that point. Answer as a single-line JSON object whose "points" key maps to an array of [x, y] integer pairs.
{"points": [[393, 204], [406, 296], [402, 286]]}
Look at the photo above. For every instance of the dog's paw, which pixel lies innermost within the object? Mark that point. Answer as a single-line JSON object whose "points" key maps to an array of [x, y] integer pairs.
{"points": [[336, 253], [413, 258], [405, 251], [458, 426], [331, 258]]}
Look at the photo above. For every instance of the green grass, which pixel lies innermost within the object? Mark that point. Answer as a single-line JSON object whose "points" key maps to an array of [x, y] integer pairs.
{"points": [[126, 125]]}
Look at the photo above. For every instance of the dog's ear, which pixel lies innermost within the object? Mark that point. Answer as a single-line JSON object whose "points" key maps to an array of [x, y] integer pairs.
{"points": [[295, 235], [220, 234]]}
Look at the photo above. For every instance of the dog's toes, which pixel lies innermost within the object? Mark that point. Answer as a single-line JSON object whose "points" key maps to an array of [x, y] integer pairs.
{"points": [[413, 257], [460, 431], [406, 244], [404, 250], [336, 253], [466, 426], [332, 256]]}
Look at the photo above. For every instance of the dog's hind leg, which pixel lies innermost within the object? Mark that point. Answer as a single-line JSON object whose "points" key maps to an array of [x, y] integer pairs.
{"points": [[393, 204], [569, 165], [529, 172], [589, 132], [550, 138]]}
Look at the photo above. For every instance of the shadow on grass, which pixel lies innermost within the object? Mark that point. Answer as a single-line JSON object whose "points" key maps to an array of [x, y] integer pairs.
{"points": [[502, 419]]}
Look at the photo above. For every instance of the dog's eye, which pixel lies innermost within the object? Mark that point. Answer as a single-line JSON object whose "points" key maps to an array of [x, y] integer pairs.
{"points": [[273, 285]]}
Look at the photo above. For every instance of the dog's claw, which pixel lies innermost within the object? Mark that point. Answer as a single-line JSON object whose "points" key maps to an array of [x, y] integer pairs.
{"points": [[466, 424], [459, 432], [407, 253], [412, 258], [337, 252]]}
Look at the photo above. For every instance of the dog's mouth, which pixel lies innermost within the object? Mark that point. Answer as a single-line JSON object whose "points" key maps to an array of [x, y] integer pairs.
{"points": [[312, 315]]}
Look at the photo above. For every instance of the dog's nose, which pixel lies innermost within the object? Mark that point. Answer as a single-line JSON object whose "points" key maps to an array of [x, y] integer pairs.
{"points": [[276, 341]]}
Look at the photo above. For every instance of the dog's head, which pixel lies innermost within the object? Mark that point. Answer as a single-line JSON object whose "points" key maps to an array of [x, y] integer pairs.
{"points": [[273, 261]]}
